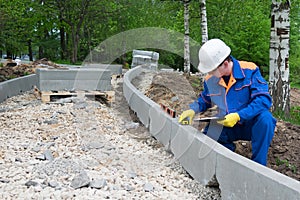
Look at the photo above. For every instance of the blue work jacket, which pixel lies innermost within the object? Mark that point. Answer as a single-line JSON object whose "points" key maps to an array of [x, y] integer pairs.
{"points": [[246, 92]]}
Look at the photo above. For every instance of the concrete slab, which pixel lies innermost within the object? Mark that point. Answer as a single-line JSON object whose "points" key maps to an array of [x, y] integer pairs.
{"points": [[17, 86], [241, 178], [141, 57], [73, 74], [4, 91], [73, 79], [194, 152], [56, 85], [131, 74], [141, 105], [114, 68], [160, 125]]}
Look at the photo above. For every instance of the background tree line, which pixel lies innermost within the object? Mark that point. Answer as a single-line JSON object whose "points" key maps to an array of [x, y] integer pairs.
{"points": [[68, 30]]}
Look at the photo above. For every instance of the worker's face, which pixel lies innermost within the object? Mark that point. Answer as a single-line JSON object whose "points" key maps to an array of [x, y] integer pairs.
{"points": [[222, 70]]}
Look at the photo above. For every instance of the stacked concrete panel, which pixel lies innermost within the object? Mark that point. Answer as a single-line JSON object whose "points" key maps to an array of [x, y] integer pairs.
{"points": [[204, 158], [114, 68], [140, 57], [73, 79]]}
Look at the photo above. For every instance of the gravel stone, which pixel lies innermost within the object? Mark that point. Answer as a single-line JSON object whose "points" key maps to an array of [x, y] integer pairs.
{"points": [[98, 183], [48, 155], [31, 183], [125, 158], [148, 187], [80, 180]]}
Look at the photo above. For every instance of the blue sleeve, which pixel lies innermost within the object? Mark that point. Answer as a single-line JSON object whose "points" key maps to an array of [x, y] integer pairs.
{"points": [[260, 98], [203, 102]]}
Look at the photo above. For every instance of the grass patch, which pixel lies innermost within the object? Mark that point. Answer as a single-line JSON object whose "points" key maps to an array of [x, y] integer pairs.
{"points": [[287, 164], [294, 117], [67, 62]]}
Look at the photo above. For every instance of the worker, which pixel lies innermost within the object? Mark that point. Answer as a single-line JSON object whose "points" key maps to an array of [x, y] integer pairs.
{"points": [[242, 98]]}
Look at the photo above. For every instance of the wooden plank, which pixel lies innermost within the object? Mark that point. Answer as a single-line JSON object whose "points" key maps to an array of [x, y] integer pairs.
{"points": [[108, 95]]}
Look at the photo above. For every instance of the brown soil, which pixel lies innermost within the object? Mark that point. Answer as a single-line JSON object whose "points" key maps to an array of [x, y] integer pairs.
{"points": [[176, 91], [10, 69]]}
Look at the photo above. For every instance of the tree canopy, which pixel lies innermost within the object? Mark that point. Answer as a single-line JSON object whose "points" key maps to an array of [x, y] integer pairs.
{"points": [[68, 30]]}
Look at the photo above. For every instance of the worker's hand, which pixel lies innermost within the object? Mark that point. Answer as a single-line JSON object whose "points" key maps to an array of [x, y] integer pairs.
{"points": [[230, 120], [187, 115]]}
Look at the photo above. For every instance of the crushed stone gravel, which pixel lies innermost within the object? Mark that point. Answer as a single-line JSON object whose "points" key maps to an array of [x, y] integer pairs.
{"points": [[91, 151]]}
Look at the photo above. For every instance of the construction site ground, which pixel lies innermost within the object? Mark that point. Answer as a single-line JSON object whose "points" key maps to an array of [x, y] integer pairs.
{"points": [[176, 91]]}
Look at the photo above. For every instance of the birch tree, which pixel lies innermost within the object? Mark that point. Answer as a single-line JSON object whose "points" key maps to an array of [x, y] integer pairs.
{"points": [[279, 55], [187, 61], [204, 30]]}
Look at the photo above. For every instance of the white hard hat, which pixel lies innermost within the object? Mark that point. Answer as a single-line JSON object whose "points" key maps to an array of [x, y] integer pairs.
{"points": [[212, 54]]}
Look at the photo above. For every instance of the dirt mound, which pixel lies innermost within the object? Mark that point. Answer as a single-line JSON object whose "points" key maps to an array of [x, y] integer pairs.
{"points": [[177, 91], [164, 89], [12, 70]]}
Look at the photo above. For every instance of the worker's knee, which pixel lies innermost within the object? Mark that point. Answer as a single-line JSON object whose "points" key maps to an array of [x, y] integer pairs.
{"points": [[266, 118]]}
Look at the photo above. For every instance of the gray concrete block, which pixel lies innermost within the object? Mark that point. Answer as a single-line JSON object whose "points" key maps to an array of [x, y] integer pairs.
{"points": [[141, 105], [4, 91], [17, 86], [73, 74], [160, 125], [241, 178], [131, 74], [114, 68], [73, 79], [194, 151], [140, 57], [128, 88], [56, 85]]}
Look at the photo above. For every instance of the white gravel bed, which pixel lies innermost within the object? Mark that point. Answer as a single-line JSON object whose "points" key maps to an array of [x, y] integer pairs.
{"points": [[81, 149]]}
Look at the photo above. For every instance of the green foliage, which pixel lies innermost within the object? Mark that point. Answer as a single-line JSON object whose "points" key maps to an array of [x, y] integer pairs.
{"points": [[294, 117], [294, 60], [286, 163], [26, 73], [66, 62], [244, 25]]}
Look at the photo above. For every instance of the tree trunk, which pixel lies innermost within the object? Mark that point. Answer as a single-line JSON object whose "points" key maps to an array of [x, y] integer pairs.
{"points": [[204, 30], [74, 46], [279, 56], [68, 46], [62, 43], [41, 52], [30, 50], [186, 37]]}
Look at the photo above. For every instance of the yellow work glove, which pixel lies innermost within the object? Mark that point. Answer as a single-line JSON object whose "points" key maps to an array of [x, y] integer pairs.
{"points": [[187, 115], [230, 120]]}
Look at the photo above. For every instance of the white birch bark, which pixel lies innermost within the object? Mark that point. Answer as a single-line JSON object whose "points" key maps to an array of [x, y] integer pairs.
{"points": [[186, 37], [279, 56], [204, 30]]}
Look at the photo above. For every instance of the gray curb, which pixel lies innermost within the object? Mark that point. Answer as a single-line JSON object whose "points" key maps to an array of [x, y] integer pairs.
{"points": [[203, 158], [17, 86]]}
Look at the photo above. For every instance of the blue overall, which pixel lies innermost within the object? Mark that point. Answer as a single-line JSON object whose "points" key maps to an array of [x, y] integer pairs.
{"points": [[246, 93]]}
